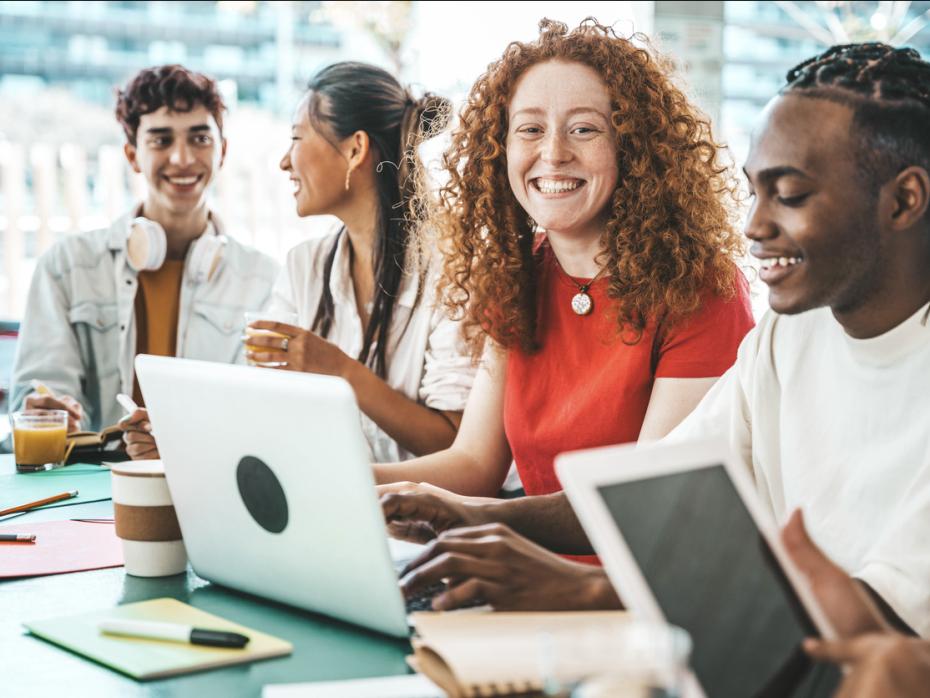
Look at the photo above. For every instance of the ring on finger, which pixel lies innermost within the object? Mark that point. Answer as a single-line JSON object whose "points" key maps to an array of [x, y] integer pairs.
{"points": [[284, 344]]}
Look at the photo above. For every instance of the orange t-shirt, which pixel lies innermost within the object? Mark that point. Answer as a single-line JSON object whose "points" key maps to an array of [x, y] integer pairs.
{"points": [[585, 387], [158, 303]]}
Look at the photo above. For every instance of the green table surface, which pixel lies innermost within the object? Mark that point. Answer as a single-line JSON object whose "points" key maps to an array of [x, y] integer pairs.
{"points": [[324, 649]]}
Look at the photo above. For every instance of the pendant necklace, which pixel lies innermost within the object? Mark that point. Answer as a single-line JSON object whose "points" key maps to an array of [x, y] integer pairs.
{"points": [[581, 301]]}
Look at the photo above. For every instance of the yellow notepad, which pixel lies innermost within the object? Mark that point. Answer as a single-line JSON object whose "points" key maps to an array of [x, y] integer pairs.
{"points": [[154, 659]]}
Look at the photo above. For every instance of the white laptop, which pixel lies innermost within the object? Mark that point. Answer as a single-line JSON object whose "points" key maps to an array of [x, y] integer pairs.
{"points": [[684, 539], [273, 487]]}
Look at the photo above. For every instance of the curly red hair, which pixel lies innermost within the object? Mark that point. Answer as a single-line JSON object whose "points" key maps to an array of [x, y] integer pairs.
{"points": [[670, 236]]}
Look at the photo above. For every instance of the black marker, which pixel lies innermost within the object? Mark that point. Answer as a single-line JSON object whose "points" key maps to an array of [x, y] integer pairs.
{"points": [[154, 630]]}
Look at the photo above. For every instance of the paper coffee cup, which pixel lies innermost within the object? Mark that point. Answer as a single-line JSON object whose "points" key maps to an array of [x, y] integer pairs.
{"points": [[146, 522]]}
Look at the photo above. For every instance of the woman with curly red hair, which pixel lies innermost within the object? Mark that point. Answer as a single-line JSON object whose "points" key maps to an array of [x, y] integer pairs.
{"points": [[586, 233], [589, 248]]}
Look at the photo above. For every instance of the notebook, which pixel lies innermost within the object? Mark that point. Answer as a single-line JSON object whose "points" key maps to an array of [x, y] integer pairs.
{"points": [[96, 446], [60, 546], [154, 659], [497, 654]]}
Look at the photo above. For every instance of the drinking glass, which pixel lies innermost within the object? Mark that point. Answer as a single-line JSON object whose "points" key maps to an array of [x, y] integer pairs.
{"points": [[271, 315], [39, 438]]}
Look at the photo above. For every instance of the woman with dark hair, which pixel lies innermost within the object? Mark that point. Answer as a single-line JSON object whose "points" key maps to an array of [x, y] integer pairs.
{"points": [[365, 291]]}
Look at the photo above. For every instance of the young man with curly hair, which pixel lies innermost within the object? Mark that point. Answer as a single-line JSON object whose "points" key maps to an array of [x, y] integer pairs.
{"points": [[163, 279], [587, 236], [828, 398]]}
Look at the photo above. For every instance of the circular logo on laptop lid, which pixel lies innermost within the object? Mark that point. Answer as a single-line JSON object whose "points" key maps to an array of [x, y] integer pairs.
{"points": [[262, 494]]}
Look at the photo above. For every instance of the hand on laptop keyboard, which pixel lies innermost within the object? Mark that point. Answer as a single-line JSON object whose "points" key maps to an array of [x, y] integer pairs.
{"points": [[494, 565], [420, 512]]}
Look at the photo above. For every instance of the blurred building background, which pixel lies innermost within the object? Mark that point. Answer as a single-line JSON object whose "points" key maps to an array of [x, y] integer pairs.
{"points": [[61, 164], [763, 40], [87, 47]]}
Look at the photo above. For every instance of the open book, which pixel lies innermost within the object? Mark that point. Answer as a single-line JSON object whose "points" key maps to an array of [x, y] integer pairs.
{"points": [[95, 446], [498, 654]]}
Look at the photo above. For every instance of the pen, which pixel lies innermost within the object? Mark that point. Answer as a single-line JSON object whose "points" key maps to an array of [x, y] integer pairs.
{"points": [[39, 503], [18, 537], [155, 630], [126, 402]]}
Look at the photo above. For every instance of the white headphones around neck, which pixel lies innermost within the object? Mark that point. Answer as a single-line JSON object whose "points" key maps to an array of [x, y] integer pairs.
{"points": [[147, 245]]}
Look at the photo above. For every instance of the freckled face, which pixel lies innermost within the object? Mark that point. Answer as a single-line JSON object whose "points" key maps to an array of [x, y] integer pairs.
{"points": [[561, 150], [317, 168]]}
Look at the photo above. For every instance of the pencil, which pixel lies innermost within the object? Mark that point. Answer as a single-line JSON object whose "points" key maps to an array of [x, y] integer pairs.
{"points": [[17, 538], [42, 502]]}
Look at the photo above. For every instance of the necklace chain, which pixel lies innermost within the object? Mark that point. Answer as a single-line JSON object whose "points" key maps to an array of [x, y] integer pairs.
{"points": [[581, 301]]}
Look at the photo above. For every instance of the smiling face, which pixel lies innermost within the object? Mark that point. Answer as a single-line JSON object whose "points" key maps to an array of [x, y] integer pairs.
{"points": [[561, 152], [178, 153], [813, 222], [317, 169]]}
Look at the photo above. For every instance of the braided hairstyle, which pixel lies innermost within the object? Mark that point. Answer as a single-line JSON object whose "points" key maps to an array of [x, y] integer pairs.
{"points": [[888, 90]]}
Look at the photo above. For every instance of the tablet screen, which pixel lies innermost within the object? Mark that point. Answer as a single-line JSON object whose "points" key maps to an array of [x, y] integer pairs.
{"points": [[713, 575]]}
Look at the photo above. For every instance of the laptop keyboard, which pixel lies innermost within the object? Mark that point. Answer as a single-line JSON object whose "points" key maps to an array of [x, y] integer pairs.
{"points": [[423, 600]]}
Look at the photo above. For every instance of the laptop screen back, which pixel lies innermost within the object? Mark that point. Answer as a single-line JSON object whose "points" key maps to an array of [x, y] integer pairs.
{"points": [[272, 485], [712, 574]]}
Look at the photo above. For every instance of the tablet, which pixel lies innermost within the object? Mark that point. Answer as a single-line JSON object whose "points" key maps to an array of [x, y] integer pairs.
{"points": [[685, 540]]}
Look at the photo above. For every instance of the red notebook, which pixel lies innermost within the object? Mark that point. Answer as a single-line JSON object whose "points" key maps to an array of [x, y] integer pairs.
{"points": [[61, 546]]}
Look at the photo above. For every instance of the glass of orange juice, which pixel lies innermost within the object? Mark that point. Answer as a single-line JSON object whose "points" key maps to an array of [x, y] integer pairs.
{"points": [[269, 315], [39, 438]]}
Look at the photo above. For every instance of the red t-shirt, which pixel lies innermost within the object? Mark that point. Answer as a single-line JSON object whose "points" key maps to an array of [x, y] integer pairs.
{"points": [[585, 388]]}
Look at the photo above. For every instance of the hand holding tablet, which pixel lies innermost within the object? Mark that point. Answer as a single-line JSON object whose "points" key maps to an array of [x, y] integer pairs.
{"points": [[685, 540]]}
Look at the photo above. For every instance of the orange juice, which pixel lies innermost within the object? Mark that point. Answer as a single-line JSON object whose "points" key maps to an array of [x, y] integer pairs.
{"points": [[252, 316], [39, 443], [253, 332]]}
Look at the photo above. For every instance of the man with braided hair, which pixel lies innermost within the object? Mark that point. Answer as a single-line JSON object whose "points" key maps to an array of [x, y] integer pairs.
{"points": [[825, 400], [858, 113]]}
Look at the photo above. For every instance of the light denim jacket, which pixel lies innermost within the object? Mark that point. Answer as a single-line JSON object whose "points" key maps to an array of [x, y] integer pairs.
{"points": [[78, 335]]}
